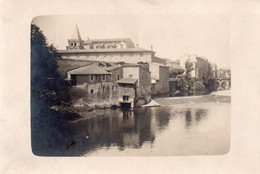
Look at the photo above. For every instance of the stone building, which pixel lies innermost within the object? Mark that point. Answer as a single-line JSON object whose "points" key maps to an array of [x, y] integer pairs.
{"points": [[134, 87], [159, 78], [200, 67], [127, 84], [107, 50], [94, 83]]}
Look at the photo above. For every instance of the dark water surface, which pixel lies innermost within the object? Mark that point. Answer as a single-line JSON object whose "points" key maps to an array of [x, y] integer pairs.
{"points": [[195, 129]]}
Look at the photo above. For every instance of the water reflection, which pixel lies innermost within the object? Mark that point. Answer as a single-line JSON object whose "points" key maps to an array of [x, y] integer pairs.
{"points": [[193, 116], [200, 113], [118, 128], [163, 116], [127, 129]]}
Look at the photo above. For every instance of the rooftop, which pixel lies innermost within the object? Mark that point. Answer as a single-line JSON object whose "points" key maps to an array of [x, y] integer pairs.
{"points": [[76, 35], [111, 68], [121, 50], [128, 80], [158, 64], [89, 69], [128, 41]]}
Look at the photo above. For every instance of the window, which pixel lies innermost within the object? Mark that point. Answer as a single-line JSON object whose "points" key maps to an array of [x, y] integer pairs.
{"points": [[91, 91], [103, 77], [71, 44], [125, 98], [92, 77], [113, 88], [104, 88], [75, 44], [118, 77]]}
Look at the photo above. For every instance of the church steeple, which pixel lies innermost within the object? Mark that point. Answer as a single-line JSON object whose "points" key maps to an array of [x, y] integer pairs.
{"points": [[76, 35], [75, 42]]}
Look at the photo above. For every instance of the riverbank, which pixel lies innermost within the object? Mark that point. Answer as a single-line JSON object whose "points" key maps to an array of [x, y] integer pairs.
{"points": [[216, 97], [94, 111], [83, 111]]}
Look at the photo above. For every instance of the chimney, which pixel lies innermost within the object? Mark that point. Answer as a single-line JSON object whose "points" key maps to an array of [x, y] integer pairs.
{"points": [[137, 45]]}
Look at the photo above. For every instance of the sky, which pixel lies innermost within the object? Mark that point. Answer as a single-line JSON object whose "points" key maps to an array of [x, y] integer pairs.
{"points": [[172, 36]]}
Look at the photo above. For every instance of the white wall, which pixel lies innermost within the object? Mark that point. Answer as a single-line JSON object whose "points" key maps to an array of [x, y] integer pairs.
{"points": [[110, 57], [134, 71], [154, 69]]}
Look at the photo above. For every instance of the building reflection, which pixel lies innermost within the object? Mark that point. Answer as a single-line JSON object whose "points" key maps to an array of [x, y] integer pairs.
{"points": [[188, 119], [194, 116], [163, 116], [119, 128], [200, 113]]}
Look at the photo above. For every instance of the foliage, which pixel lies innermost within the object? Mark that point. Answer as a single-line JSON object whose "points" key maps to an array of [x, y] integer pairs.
{"points": [[185, 85], [46, 83], [188, 66], [199, 88], [173, 72]]}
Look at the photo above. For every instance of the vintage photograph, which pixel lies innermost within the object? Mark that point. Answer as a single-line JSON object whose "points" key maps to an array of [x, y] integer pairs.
{"points": [[130, 85]]}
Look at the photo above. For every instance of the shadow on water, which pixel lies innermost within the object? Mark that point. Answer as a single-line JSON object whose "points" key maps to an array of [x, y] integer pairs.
{"points": [[118, 128]]}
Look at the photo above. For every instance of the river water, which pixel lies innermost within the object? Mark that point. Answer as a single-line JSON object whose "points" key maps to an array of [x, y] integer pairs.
{"points": [[188, 129]]}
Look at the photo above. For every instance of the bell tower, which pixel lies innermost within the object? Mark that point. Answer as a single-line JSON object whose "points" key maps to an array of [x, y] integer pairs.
{"points": [[75, 42]]}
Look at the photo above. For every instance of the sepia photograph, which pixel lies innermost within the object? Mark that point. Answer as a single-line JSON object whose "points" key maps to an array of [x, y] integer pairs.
{"points": [[135, 85], [129, 87]]}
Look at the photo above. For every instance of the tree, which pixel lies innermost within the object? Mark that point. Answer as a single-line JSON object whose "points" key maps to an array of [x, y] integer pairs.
{"points": [[185, 85], [46, 83], [188, 66]]}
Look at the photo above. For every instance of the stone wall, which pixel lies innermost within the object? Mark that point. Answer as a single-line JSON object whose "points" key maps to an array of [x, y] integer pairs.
{"points": [[103, 94], [143, 89], [81, 79]]}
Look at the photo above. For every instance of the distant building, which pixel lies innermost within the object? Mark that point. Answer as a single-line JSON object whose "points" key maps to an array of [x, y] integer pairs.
{"points": [[171, 63], [200, 67], [107, 50], [159, 78]]}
